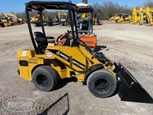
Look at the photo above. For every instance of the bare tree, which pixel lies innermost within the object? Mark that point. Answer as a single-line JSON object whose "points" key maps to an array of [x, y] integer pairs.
{"points": [[148, 3], [107, 9]]}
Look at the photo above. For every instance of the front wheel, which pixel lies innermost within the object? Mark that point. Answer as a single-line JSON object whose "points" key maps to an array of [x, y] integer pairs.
{"points": [[45, 78], [102, 83]]}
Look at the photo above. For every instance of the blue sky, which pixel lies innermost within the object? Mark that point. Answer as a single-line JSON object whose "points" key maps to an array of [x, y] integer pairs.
{"points": [[18, 5]]}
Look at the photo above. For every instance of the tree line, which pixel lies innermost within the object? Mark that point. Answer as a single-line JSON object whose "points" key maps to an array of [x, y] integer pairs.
{"points": [[105, 10]]}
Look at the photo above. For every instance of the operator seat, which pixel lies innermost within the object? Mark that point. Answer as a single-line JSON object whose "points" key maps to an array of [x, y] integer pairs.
{"points": [[42, 42]]}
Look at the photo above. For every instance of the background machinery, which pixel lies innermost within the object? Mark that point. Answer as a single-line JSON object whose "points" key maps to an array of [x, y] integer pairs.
{"points": [[135, 16], [142, 16], [34, 19], [149, 14], [123, 18], [10, 19], [85, 25], [96, 18], [47, 21], [48, 62], [4, 22], [15, 20], [112, 18], [63, 18]]}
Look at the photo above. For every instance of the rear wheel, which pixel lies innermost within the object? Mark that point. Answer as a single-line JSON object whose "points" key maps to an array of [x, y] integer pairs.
{"points": [[101, 83], [45, 78]]}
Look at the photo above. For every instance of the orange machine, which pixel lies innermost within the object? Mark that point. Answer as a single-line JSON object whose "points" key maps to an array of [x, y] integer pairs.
{"points": [[89, 39], [85, 25]]}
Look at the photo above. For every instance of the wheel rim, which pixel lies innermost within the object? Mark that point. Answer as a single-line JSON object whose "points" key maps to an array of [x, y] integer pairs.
{"points": [[42, 80], [102, 85]]}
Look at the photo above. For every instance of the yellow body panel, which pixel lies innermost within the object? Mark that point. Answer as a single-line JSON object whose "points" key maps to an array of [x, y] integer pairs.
{"points": [[56, 56]]}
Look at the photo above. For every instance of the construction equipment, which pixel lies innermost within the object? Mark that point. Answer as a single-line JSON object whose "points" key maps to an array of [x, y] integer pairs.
{"points": [[149, 14], [122, 18], [15, 20], [135, 16], [113, 17], [46, 21], [48, 61], [7, 20], [85, 25], [96, 18], [4, 22], [34, 19], [142, 16], [63, 18]]}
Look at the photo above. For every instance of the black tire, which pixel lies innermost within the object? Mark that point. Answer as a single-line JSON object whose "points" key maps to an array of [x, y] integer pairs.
{"points": [[101, 83], [45, 78]]}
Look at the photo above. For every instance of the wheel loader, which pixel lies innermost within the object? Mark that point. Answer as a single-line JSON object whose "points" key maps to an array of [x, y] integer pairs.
{"points": [[47, 62]]}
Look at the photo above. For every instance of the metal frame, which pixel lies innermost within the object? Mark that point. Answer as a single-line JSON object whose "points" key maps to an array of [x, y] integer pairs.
{"points": [[86, 8], [72, 8]]}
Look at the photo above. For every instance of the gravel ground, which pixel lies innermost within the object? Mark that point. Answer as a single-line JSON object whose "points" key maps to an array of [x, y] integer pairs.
{"points": [[126, 43]]}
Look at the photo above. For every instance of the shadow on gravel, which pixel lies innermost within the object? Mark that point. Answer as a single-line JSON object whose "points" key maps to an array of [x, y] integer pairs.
{"points": [[62, 82], [61, 106]]}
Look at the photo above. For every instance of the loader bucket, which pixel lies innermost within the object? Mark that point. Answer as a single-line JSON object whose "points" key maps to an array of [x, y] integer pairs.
{"points": [[129, 89]]}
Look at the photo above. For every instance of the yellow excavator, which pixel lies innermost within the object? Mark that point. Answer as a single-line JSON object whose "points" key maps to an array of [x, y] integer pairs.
{"points": [[149, 14], [135, 16], [142, 15], [14, 18]]}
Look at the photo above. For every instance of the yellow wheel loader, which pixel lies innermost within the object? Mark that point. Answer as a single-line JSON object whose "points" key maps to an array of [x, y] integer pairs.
{"points": [[48, 62]]}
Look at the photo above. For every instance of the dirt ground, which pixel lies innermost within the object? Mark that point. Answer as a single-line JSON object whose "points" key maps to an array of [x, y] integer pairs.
{"points": [[132, 45]]}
